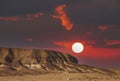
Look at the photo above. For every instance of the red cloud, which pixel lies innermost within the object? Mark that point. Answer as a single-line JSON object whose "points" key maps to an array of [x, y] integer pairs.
{"points": [[106, 27], [24, 17], [110, 42], [29, 39], [63, 17], [103, 28]]}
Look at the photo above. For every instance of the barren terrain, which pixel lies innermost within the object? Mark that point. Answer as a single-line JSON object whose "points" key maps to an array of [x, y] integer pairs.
{"points": [[62, 77], [45, 65]]}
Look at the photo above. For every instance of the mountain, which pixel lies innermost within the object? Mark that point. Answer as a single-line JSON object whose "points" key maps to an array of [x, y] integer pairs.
{"points": [[19, 61]]}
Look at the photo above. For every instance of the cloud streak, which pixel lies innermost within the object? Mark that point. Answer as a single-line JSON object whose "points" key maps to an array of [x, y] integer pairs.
{"points": [[21, 18]]}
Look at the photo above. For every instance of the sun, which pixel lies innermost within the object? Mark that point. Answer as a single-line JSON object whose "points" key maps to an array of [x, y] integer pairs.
{"points": [[77, 47]]}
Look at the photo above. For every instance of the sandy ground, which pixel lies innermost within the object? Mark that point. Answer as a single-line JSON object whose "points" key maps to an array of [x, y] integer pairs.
{"points": [[62, 77]]}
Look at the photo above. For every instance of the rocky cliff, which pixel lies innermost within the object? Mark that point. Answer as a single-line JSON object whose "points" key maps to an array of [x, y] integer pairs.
{"points": [[24, 61]]}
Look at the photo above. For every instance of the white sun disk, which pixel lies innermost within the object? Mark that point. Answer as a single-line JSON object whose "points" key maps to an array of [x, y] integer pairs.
{"points": [[77, 47]]}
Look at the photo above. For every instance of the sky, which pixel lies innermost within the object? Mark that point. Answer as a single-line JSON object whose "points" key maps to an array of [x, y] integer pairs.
{"points": [[57, 24]]}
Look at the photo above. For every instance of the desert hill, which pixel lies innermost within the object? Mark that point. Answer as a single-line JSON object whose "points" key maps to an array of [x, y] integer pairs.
{"points": [[23, 61]]}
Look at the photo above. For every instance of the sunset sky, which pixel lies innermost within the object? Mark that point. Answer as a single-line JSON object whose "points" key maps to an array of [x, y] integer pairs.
{"points": [[57, 24]]}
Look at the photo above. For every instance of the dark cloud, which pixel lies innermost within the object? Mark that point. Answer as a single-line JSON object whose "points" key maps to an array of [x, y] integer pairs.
{"points": [[97, 12], [20, 7], [42, 31], [101, 37], [100, 17]]}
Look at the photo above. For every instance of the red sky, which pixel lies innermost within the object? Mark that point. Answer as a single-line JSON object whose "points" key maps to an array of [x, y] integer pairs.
{"points": [[102, 57], [89, 50]]}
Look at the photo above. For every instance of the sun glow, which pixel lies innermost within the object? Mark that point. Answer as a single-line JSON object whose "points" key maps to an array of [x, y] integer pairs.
{"points": [[77, 47]]}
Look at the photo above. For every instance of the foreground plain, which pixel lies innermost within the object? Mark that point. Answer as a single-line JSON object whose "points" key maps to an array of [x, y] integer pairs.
{"points": [[62, 77]]}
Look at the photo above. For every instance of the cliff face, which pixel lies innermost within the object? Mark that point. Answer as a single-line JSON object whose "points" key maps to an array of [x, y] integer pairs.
{"points": [[13, 55], [20, 61], [44, 60]]}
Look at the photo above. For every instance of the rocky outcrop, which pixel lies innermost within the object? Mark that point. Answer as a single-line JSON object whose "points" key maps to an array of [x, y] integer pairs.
{"points": [[21, 61]]}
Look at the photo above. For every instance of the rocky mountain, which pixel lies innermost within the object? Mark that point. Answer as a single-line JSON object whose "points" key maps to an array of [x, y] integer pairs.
{"points": [[23, 61]]}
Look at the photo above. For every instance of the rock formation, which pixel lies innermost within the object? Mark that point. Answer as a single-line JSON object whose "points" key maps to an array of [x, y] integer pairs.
{"points": [[24, 61]]}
